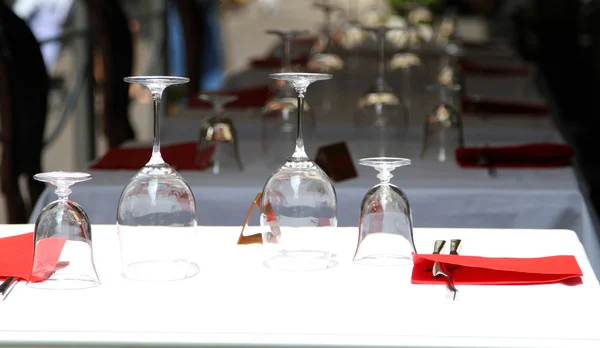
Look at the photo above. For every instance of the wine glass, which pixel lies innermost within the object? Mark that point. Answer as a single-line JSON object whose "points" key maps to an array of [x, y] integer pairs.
{"points": [[156, 215], [385, 225], [277, 114], [380, 105], [407, 61], [299, 203], [323, 59], [219, 130], [443, 125], [63, 255]]}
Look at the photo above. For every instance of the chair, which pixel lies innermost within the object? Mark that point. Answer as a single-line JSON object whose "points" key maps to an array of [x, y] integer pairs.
{"points": [[24, 86], [114, 38]]}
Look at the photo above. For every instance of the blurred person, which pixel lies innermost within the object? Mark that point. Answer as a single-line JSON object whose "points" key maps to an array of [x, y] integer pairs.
{"points": [[211, 70], [45, 18]]}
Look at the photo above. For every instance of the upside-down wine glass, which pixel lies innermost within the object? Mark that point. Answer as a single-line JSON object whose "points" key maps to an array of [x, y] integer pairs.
{"points": [[62, 253], [380, 110], [352, 37], [385, 225], [443, 126], [299, 203], [380, 104], [156, 215], [407, 61], [324, 60], [277, 114], [219, 131]]}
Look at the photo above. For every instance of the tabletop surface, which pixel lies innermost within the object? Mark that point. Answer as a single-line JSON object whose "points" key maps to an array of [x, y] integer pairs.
{"points": [[235, 301]]}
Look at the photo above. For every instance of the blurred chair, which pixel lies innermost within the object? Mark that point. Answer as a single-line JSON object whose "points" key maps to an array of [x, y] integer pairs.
{"points": [[24, 86], [115, 43]]}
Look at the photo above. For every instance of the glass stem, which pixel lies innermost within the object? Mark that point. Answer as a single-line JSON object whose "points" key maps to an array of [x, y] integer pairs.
{"points": [[327, 28], [380, 57], [406, 86], [63, 193], [287, 54], [299, 152], [156, 156], [385, 175]]}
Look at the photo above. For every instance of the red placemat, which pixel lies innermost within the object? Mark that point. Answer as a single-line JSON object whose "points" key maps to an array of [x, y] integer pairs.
{"points": [[542, 155], [255, 97], [183, 156]]}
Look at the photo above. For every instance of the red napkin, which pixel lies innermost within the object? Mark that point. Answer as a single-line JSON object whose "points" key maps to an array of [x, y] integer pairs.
{"points": [[181, 156], [254, 97], [508, 108], [275, 62], [477, 270], [470, 67], [541, 155], [16, 257]]}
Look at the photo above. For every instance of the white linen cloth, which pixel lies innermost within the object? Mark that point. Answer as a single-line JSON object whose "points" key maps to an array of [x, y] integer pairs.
{"points": [[236, 302]]}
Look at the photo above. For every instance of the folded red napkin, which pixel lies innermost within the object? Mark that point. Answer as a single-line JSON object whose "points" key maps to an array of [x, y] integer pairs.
{"points": [[470, 67], [275, 62], [254, 97], [477, 270], [540, 155], [16, 257], [181, 156], [503, 107]]}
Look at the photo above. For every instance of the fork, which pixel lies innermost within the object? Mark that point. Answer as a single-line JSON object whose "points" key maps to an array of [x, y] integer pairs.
{"points": [[7, 286], [444, 270]]}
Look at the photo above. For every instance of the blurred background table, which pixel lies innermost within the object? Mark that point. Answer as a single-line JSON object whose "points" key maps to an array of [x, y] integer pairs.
{"points": [[441, 193]]}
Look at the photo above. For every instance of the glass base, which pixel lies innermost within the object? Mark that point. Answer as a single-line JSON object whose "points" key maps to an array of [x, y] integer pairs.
{"points": [[161, 270], [301, 260], [66, 282], [384, 260]]}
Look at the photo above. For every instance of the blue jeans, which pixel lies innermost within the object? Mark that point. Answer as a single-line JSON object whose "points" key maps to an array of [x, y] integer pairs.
{"points": [[210, 71]]}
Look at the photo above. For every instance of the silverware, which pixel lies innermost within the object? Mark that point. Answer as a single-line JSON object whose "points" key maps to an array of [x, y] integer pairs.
{"points": [[485, 161], [448, 271], [438, 247], [7, 286]]}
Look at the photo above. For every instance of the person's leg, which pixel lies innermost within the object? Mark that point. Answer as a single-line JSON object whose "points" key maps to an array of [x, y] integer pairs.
{"points": [[176, 44], [211, 71]]}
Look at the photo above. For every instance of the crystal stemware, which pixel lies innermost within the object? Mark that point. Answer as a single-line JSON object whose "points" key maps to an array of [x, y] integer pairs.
{"points": [[63, 255], [385, 224], [443, 125], [277, 114], [380, 105], [219, 131], [299, 203], [156, 215], [323, 59]]}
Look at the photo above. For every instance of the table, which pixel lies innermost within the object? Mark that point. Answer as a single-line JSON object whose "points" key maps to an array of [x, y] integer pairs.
{"points": [[236, 302], [441, 194]]}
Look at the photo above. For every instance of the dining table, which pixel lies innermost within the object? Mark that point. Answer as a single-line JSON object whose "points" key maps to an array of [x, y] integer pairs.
{"points": [[235, 301], [441, 194]]}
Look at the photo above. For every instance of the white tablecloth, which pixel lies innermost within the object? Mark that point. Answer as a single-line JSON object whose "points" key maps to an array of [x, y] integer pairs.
{"points": [[236, 302]]}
